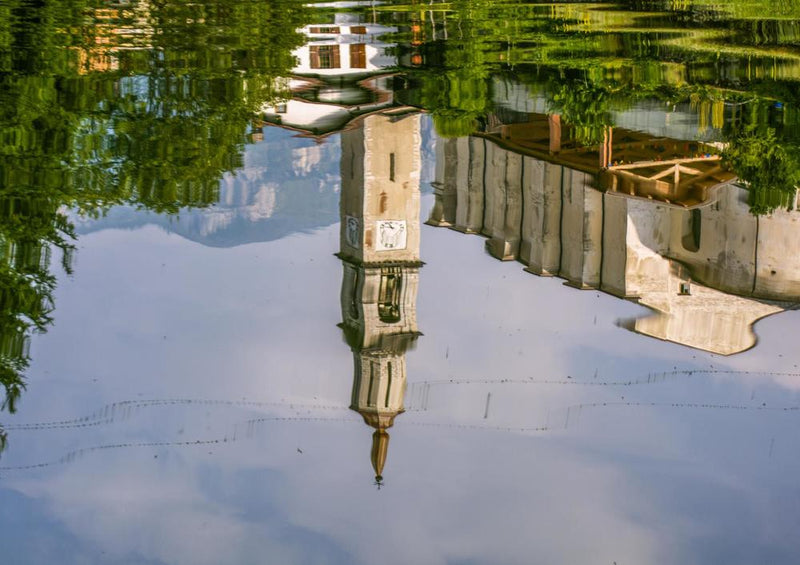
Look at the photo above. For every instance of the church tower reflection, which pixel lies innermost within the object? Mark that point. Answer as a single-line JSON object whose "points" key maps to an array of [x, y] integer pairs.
{"points": [[379, 249]]}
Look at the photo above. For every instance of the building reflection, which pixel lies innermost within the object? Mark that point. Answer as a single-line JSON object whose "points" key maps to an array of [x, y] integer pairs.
{"points": [[660, 224], [344, 84], [344, 70], [379, 250]]}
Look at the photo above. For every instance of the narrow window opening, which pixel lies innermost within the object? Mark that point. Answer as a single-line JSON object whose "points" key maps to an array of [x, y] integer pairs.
{"points": [[355, 391], [697, 225], [391, 167], [370, 399], [388, 386], [692, 230], [354, 294], [389, 294]]}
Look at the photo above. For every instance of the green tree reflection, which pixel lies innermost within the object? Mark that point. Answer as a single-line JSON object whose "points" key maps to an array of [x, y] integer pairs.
{"points": [[585, 106], [454, 85], [590, 64], [145, 103], [769, 167]]}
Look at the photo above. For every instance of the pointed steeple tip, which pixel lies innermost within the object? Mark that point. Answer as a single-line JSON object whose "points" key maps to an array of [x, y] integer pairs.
{"points": [[380, 447]]}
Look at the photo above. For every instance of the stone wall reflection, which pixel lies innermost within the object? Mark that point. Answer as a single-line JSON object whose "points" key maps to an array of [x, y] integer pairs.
{"points": [[708, 270]]}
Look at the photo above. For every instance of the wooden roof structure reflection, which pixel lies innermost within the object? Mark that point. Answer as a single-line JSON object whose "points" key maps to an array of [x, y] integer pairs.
{"points": [[673, 171]]}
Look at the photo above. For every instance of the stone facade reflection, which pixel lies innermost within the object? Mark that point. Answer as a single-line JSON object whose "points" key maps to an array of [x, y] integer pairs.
{"points": [[707, 267], [379, 249]]}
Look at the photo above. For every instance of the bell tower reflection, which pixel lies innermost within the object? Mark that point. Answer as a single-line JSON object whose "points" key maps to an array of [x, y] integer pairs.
{"points": [[379, 249]]}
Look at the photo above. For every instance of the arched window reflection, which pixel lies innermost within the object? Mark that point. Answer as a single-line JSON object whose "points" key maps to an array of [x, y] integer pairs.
{"points": [[389, 294]]}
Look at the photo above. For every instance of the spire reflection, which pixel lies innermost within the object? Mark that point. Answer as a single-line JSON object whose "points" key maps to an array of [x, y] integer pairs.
{"points": [[379, 249], [344, 83]]}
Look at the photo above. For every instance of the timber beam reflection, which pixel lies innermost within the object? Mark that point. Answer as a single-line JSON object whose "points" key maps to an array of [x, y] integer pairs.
{"points": [[673, 171]]}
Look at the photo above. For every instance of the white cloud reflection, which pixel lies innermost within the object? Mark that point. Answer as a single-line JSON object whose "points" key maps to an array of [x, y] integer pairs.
{"points": [[153, 316]]}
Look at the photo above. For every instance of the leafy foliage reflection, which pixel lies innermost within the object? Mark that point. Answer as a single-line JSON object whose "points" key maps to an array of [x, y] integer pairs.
{"points": [[143, 103], [735, 64]]}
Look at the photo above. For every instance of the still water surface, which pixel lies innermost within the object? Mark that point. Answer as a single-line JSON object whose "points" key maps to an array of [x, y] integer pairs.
{"points": [[467, 283]]}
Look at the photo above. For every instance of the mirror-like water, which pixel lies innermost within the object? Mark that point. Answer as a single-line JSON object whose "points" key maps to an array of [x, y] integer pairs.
{"points": [[474, 282]]}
